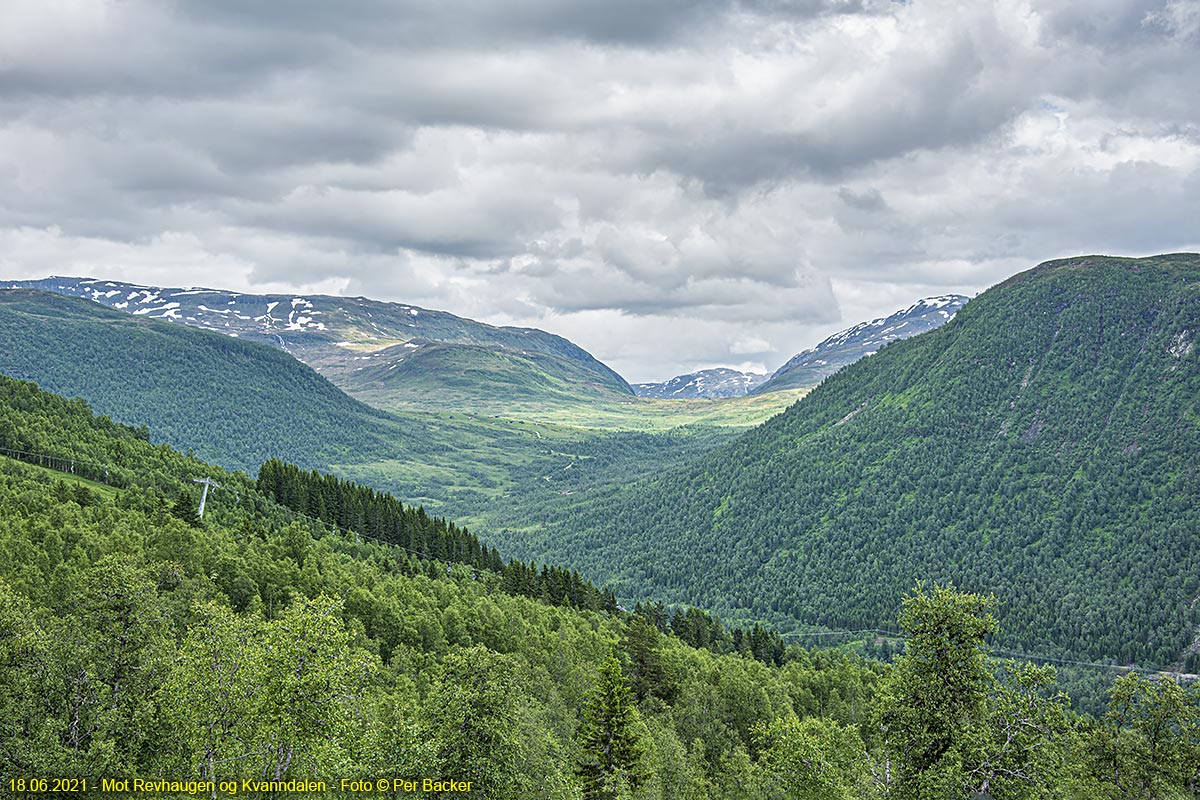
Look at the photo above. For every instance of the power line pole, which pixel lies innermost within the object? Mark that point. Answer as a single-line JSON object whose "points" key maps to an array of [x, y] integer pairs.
{"points": [[204, 495]]}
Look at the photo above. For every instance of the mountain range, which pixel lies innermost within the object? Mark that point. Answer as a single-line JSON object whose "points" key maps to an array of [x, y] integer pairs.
{"points": [[238, 401], [389, 354], [399, 355], [809, 367], [1041, 444], [718, 382]]}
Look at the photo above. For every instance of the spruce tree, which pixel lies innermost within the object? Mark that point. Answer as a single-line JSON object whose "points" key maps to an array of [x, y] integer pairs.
{"points": [[610, 762], [185, 509]]}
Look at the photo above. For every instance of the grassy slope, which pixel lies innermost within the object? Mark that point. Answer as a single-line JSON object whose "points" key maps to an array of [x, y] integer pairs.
{"points": [[499, 469], [471, 376], [362, 344]]}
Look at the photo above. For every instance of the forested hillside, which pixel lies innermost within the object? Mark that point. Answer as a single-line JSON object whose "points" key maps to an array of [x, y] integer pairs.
{"points": [[365, 512], [233, 402], [138, 641], [1044, 445], [239, 403]]}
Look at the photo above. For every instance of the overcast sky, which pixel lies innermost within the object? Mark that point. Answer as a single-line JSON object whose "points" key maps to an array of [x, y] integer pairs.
{"points": [[671, 184]]}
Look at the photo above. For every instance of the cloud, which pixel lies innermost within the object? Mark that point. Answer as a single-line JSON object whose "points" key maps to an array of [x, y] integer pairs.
{"points": [[750, 345], [865, 200], [674, 185]]}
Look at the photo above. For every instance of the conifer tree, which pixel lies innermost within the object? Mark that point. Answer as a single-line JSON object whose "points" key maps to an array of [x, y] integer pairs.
{"points": [[649, 674], [610, 761], [185, 509]]}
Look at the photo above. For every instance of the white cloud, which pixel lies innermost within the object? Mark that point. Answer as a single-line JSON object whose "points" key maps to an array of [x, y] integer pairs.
{"points": [[750, 345], [673, 185]]}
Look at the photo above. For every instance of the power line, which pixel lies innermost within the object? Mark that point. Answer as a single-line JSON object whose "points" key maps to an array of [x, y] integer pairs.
{"points": [[208, 482], [49, 460], [68, 464], [838, 633], [56, 463]]}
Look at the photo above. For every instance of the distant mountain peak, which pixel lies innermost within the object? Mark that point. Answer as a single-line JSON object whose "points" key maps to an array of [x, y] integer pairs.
{"points": [[809, 367], [718, 382]]}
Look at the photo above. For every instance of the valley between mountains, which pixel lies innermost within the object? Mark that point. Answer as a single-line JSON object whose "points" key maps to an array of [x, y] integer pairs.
{"points": [[1038, 441], [436, 547]]}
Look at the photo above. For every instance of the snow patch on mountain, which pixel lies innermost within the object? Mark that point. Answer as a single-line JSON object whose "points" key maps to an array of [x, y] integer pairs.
{"points": [[809, 367], [720, 382], [314, 328]]}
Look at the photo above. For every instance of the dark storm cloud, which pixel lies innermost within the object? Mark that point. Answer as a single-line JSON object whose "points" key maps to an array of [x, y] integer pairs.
{"points": [[731, 178], [139, 48], [486, 23]]}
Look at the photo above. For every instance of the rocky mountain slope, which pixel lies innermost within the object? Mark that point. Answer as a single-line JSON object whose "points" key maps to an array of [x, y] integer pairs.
{"points": [[719, 382], [807, 369]]}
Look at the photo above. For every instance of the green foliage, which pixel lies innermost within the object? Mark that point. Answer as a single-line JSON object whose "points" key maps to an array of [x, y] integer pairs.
{"points": [[649, 674], [269, 700], [940, 684], [1040, 446], [383, 518], [261, 645], [951, 726], [136, 643], [701, 629], [1148, 744], [1020, 749], [455, 358], [938, 689], [485, 727], [816, 759], [611, 751], [374, 514]]}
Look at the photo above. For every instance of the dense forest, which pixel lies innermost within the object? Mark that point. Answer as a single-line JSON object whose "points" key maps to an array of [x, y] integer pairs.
{"points": [[379, 517], [1042, 446], [140, 641], [382, 518]]}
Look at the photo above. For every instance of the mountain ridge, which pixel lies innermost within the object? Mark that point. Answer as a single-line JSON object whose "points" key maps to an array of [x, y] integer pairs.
{"points": [[335, 335], [1010, 450], [810, 367], [176, 379], [705, 383]]}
